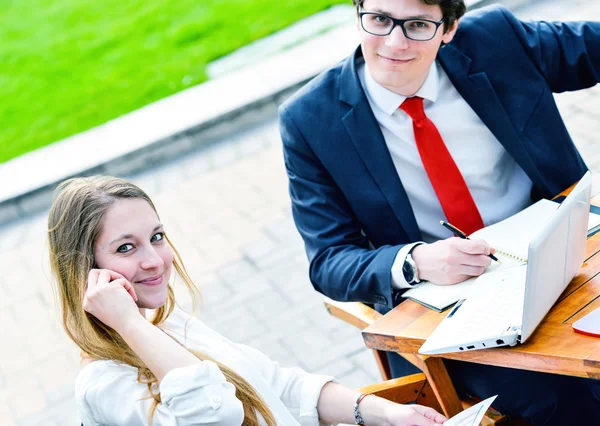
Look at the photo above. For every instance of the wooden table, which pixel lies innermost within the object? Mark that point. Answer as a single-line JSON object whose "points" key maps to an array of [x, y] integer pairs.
{"points": [[553, 348]]}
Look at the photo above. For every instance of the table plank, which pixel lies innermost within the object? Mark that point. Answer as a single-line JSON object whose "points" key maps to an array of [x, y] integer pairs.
{"points": [[554, 348]]}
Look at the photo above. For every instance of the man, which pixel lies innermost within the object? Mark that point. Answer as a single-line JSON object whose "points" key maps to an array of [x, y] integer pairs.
{"points": [[430, 120]]}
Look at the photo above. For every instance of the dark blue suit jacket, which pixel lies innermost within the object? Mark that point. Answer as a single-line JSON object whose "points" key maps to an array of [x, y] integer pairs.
{"points": [[347, 199]]}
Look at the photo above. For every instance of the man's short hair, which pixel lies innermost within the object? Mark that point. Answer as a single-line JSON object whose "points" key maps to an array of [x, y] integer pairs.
{"points": [[451, 9]]}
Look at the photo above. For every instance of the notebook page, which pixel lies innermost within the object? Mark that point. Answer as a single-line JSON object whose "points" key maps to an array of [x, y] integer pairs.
{"points": [[440, 297], [593, 221], [471, 416], [512, 235]]}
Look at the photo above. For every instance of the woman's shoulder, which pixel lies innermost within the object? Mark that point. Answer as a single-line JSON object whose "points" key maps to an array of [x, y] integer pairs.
{"points": [[100, 372], [182, 324]]}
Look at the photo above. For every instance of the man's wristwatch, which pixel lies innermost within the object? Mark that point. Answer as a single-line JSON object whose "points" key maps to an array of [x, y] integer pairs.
{"points": [[411, 273]]}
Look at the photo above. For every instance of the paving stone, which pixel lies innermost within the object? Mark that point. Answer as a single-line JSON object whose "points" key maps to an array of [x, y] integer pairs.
{"points": [[13, 234], [269, 306], [235, 227], [281, 255], [15, 356], [338, 368], [63, 413], [9, 212], [26, 401], [242, 294], [215, 291], [365, 360], [274, 350], [265, 214], [356, 379], [45, 340], [284, 229], [239, 326], [224, 154], [8, 323], [257, 250], [252, 145], [58, 383], [33, 312], [315, 349], [36, 202], [237, 272], [6, 418], [286, 324], [321, 318], [196, 164]]}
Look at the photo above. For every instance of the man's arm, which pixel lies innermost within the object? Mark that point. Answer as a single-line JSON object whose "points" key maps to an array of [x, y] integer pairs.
{"points": [[567, 54], [343, 266]]}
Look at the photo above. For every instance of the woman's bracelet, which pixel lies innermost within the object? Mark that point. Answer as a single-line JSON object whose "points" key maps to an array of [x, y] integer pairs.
{"points": [[357, 417]]}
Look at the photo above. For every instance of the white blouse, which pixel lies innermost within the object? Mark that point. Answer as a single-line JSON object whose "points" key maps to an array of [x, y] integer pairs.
{"points": [[108, 393]]}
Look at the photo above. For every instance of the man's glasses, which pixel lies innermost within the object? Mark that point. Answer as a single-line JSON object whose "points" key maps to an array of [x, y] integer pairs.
{"points": [[414, 29]]}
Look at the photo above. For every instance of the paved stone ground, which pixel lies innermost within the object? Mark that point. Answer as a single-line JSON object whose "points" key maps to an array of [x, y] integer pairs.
{"points": [[227, 210]]}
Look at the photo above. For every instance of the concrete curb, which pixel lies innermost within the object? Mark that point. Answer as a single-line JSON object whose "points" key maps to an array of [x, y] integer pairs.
{"points": [[156, 153]]}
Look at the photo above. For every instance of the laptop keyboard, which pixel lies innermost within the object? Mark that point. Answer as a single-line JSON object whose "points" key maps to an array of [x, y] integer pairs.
{"points": [[495, 302]]}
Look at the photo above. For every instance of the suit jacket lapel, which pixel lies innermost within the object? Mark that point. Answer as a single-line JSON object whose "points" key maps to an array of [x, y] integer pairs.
{"points": [[365, 134], [478, 92]]}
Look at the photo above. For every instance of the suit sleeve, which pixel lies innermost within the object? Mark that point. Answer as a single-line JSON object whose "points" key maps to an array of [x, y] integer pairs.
{"points": [[343, 264], [567, 54]]}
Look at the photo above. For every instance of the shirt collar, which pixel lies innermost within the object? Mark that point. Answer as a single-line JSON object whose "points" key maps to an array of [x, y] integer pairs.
{"points": [[389, 101]]}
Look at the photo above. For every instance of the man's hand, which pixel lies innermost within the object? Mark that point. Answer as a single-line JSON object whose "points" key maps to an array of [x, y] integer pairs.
{"points": [[451, 261]]}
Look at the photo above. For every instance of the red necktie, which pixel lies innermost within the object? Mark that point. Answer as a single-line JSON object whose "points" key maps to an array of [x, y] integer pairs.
{"points": [[447, 181]]}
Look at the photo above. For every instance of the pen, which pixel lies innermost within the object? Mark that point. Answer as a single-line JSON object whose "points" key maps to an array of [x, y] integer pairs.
{"points": [[462, 235]]}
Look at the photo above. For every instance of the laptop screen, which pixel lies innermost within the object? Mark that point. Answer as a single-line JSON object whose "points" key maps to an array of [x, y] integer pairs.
{"points": [[555, 255]]}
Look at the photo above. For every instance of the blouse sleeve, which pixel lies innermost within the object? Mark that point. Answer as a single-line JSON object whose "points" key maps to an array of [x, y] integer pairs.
{"points": [[298, 390], [109, 394]]}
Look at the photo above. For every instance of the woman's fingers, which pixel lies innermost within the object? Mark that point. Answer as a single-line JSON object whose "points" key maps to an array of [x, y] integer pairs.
{"points": [[430, 413], [106, 276], [114, 275], [129, 287], [112, 301], [93, 277]]}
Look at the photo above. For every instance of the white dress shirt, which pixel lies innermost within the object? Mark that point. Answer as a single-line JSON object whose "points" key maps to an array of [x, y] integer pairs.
{"points": [[498, 185], [109, 393]]}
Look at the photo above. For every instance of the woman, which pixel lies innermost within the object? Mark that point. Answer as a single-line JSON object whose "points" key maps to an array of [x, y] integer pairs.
{"points": [[112, 262]]}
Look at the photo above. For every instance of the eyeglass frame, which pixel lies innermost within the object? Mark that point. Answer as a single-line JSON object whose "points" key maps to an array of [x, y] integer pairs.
{"points": [[400, 23]]}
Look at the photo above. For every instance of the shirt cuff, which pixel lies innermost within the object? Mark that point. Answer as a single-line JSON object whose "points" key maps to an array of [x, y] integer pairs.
{"points": [[398, 281], [311, 391], [180, 381]]}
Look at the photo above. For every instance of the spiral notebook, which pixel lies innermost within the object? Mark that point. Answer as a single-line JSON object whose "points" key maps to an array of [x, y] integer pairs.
{"points": [[510, 237]]}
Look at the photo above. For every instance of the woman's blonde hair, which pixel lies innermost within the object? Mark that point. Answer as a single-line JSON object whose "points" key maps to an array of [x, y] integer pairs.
{"points": [[74, 224]]}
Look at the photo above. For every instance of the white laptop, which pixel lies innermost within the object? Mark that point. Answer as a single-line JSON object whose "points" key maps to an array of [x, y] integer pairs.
{"points": [[504, 307]]}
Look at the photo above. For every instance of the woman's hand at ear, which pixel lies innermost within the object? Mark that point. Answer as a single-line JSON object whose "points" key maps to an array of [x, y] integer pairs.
{"points": [[110, 298]]}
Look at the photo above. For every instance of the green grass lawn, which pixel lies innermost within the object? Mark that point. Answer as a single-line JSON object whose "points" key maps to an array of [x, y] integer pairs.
{"points": [[69, 65]]}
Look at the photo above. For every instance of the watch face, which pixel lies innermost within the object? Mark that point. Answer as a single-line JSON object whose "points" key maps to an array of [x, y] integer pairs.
{"points": [[409, 274]]}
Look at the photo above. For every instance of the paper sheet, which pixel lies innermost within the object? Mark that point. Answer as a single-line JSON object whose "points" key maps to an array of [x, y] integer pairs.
{"points": [[471, 416], [501, 235]]}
